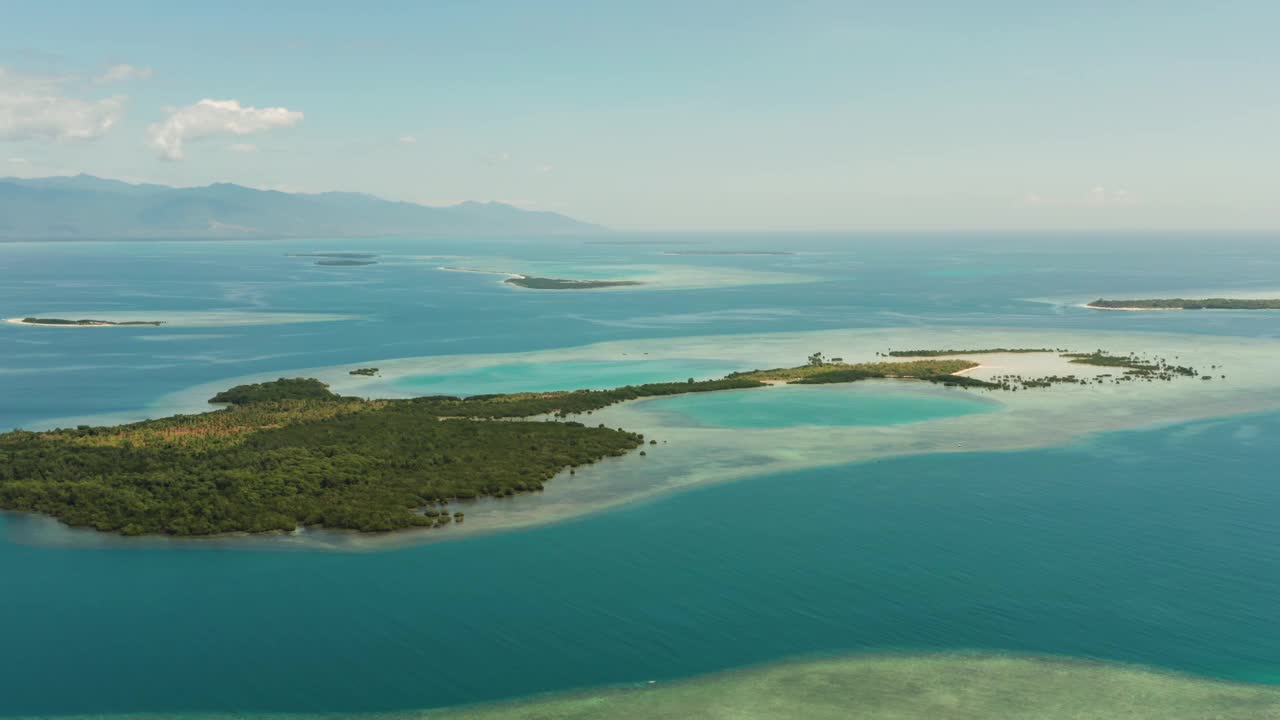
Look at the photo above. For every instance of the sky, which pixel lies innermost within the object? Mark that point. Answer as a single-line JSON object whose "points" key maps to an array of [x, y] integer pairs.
{"points": [[693, 115]]}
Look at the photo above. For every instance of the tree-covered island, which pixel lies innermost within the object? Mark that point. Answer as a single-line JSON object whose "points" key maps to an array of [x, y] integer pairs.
{"points": [[291, 453], [86, 323], [537, 283], [1185, 304]]}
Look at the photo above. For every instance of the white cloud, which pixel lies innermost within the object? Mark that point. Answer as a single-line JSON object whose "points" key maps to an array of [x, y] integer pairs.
{"points": [[36, 108], [544, 169], [122, 72], [215, 117], [19, 161], [243, 147], [408, 139]]}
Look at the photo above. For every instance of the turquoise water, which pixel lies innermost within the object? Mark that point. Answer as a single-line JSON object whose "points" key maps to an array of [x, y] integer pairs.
{"points": [[567, 375], [1156, 547], [818, 406]]}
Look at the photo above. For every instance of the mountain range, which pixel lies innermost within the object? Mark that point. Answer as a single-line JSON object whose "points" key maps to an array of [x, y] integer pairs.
{"points": [[88, 207]]}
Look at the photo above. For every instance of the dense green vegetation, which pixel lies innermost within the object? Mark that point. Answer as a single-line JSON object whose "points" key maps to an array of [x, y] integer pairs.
{"points": [[984, 351], [282, 389], [537, 283], [368, 372], [61, 321], [368, 466], [820, 371], [1185, 304], [291, 453]]}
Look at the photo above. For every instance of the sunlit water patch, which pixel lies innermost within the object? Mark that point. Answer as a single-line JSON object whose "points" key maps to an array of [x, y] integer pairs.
{"points": [[815, 405]]}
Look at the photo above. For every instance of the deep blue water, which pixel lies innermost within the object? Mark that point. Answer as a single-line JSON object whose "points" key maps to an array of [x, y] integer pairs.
{"points": [[1159, 547]]}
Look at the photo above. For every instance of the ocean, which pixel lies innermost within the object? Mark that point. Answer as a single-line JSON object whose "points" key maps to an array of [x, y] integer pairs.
{"points": [[1155, 545]]}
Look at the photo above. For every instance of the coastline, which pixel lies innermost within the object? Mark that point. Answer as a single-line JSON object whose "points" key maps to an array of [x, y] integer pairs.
{"points": [[689, 457], [1090, 306], [510, 275], [21, 321], [186, 319]]}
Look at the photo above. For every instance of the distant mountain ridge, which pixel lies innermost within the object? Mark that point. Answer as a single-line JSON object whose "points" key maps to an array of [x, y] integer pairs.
{"points": [[88, 207]]}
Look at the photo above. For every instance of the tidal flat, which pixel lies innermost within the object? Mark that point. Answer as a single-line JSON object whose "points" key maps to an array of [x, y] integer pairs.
{"points": [[955, 686]]}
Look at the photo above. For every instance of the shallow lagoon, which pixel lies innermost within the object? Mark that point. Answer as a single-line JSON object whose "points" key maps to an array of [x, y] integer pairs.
{"points": [[813, 406]]}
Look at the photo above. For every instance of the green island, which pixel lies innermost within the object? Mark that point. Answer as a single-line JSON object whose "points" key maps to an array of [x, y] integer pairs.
{"points": [[727, 252], [821, 370], [983, 351], [537, 283], [1185, 304], [61, 321], [291, 453], [367, 372]]}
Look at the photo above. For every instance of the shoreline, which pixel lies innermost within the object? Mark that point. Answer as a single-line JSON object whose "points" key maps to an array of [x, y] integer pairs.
{"points": [[1089, 306], [24, 323], [510, 275], [688, 457]]}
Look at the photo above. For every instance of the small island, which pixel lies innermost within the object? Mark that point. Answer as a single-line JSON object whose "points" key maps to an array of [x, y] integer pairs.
{"points": [[537, 283], [983, 351], [339, 259], [727, 252], [291, 453], [367, 372], [1185, 304], [61, 322]]}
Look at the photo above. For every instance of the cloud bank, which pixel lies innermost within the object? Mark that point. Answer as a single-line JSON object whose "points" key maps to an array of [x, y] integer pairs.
{"points": [[209, 118], [37, 108]]}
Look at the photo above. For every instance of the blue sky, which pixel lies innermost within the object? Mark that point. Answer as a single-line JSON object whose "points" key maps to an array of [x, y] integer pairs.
{"points": [[673, 115]]}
